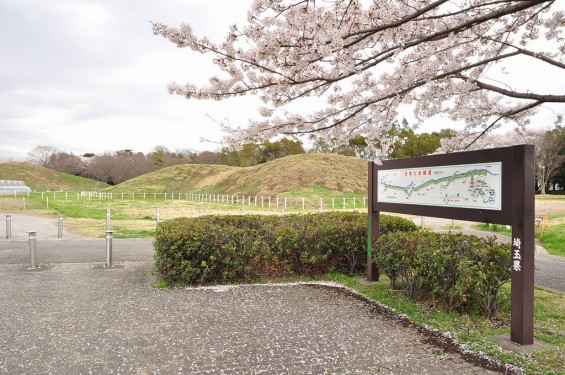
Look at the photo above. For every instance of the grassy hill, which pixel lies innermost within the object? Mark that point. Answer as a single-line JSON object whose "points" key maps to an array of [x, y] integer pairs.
{"points": [[44, 179], [306, 174]]}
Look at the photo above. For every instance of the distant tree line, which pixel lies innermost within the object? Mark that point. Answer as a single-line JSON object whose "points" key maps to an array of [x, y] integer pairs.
{"points": [[401, 140]]}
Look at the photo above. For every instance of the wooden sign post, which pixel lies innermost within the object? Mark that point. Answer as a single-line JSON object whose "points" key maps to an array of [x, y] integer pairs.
{"points": [[489, 186]]}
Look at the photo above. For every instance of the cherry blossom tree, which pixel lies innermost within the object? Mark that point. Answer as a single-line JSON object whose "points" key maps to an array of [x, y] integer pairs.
{"points": [[369, 59]]}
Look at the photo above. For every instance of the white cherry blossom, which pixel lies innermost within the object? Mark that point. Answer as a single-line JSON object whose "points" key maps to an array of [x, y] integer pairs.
{"points": [[366, 59]]}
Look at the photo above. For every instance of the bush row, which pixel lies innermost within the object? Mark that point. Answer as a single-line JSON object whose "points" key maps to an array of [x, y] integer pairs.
{"points": [[464, 273], [222, 249]]}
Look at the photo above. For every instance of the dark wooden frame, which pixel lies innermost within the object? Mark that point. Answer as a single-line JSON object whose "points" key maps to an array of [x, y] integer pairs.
{"points": [[517, 210]]}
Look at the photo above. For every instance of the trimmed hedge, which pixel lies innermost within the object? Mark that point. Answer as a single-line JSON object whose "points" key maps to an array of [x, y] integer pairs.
{"points": [[464, 273], [223, 249]]}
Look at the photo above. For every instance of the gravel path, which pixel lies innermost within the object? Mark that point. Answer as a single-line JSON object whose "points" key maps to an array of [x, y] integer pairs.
{"points": [[74, 316]]}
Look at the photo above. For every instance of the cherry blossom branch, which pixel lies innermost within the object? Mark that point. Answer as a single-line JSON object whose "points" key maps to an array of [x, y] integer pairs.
{"points": [[505, 115]]}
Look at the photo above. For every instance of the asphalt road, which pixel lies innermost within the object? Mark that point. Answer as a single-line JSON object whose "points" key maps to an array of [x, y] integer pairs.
{"points": [[550, 271], [50, 251]]}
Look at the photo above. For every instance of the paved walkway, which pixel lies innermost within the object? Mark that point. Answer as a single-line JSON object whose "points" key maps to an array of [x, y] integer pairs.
{"points": [[78, 318], [74, 316]]}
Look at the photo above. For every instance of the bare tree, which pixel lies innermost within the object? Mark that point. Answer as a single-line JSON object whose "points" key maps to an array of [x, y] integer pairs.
{"points": [[548, 158], [207, 157], [65, 162], [101, 168], [40, 155]]}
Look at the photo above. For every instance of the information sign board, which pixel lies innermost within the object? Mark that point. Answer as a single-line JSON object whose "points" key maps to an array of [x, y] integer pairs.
{"points": [[489, 186], [466, 185]]}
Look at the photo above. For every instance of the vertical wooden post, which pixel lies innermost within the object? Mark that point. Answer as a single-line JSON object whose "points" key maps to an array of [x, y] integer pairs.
{"points": [[522, 289], [373, 227]]}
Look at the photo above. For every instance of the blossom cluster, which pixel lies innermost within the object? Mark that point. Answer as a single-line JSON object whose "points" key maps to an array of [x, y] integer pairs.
{"points": [[367, 59]]}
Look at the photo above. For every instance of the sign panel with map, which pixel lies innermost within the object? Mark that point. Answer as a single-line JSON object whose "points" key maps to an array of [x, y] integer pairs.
{"points": [[488, 186], [476, 186]]}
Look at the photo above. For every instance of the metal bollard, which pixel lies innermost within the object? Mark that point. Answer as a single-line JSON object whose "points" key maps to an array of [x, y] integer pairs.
{"points": [[32, 250], [60, 231], [109, 248], [158, 215], [8, 226]]}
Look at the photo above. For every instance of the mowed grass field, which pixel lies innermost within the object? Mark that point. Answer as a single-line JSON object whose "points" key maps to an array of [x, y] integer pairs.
{"points": [[44, 179], [300, 183], [296, 175]]}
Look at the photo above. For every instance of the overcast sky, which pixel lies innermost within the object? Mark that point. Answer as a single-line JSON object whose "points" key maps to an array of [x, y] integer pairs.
{"points": [[90, 76]]}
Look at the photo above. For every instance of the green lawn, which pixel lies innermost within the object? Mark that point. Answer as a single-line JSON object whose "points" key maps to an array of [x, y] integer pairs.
{"points": [[475, 332]]}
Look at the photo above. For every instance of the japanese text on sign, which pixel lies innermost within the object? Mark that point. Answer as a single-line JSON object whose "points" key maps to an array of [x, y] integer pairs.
{"points": [[516, 254]]}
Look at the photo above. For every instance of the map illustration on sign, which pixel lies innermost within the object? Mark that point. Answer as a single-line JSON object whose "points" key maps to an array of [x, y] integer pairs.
{"points": [[467, 185]]}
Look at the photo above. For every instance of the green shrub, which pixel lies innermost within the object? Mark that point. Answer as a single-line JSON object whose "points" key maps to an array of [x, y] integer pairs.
{"points": [[221, 249], [462, 272]]}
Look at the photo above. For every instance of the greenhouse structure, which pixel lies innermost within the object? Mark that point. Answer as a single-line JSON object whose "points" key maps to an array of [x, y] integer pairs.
{"points": [[11, 187]]}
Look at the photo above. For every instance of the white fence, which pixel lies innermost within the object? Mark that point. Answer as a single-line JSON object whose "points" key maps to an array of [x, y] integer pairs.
{"points": [[257, 201], [270, 202]]}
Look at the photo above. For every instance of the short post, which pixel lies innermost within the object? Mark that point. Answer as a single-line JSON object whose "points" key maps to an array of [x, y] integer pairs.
{"points": [[321, 203], [109, 249], [303, 203], [60, 231], [201, 212], [158, 216], [108, 220], [422, 222], [8, 226], [24, 203], [32, 250], [47, 200]]}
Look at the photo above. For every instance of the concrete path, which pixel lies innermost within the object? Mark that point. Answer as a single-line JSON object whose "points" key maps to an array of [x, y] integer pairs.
{"points": [[74, 316]]}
